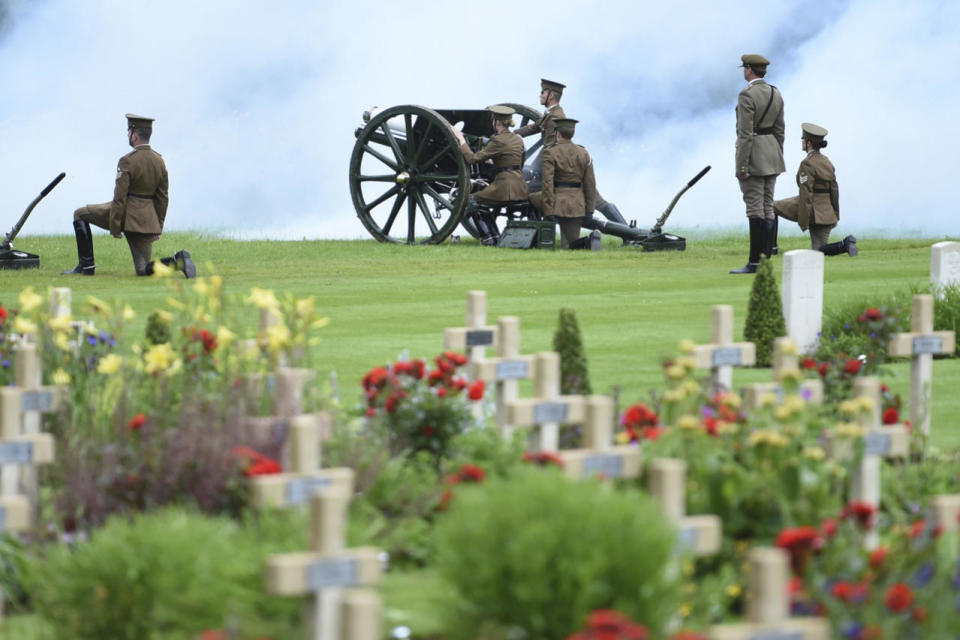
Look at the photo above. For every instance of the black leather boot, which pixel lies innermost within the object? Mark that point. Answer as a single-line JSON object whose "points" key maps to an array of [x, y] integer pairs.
{"points": [[774, 249], [85, 265], [848, 246], [757, 233], [184, 262]]}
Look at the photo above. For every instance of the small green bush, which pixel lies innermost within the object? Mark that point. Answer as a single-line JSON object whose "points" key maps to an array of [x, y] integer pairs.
{"points": [[538, 552], [765, 320], [863, 327], [574, 377], [946, 311]]}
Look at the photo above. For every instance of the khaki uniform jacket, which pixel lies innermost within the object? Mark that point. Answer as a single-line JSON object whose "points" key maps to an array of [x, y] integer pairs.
{"points": [[544, 126], [506, 150], [819, 200], [566, 162], [760, 154], [140, 196]]}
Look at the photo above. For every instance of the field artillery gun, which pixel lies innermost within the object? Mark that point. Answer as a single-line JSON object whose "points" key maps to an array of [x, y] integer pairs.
{"points": [[410, 183], [11, 258]]}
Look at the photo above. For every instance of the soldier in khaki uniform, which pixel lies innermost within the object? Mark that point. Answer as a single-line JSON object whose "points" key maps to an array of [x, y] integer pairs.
{"points": [[505, 150], [818, 205], [569, 186], [138, 209], [759, 159], [550, 94]]}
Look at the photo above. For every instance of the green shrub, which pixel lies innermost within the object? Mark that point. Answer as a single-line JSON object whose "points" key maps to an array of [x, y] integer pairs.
{"points": [[574, 377], [764, 314], [863, 327], [534, 554], [169, 574], [946, 311]]}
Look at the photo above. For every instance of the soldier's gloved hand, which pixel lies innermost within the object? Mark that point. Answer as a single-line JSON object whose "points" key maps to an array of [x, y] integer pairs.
{"points": [[116, 234]]}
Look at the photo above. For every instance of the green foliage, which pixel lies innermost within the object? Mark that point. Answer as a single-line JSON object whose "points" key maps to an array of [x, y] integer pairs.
{"points": [[538, 552], [169, 574], [765, 320], [567, 341], [863, 327], [946, 311], [158, 329]]}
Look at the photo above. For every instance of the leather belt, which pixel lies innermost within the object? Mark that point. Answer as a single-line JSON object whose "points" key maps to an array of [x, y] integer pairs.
{"points": [[816, 190], [568, 185], [513, 167], [139, 195], [763, 131]]}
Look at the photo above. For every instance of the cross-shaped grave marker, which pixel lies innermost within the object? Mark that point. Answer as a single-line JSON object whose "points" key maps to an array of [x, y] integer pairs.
{"points": [[946, 511], [476, 336], [768, 604], [598, 454], [18, 449], [328, 572], [701, 534], [547, 409], [785, 362], [920, 344], [723, 353], [887, 441], [287, 385], [506, 369]]}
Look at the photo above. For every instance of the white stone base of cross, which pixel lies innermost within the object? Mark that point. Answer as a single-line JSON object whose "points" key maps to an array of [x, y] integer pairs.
{"points": [[700, 535], [723, 354], [768, 605], [598, 455]]}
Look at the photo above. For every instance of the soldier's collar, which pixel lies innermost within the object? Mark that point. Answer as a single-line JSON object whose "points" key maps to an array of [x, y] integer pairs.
{"points": [[142, 146]]}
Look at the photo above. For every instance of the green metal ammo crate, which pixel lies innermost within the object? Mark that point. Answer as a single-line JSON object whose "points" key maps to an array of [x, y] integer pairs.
{"points": [[529, 234]]}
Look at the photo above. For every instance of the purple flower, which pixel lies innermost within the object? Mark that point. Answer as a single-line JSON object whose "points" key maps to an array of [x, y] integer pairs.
{"points": [[806, 394], [923, 575], [5, 364], [92, 340], [955, 581], [852, 630], [707, 412], [846, 325], [873, 334]]}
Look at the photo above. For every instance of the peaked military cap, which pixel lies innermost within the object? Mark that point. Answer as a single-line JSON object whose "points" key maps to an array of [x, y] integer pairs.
{"points": [[551, 85], [750, 59], [566, 122], [813, 132], [134, 120], [502, 113]]}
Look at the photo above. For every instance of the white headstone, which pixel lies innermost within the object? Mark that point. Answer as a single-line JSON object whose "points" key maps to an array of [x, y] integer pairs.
{"points": [[803, 297], [945, 264]]}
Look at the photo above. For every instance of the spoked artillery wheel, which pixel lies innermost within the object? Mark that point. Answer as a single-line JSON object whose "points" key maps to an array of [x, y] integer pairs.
{"points": [[527, 115], [408, 179]]}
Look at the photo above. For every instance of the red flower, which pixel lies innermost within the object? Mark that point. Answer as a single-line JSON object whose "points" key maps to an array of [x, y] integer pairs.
{"points": [[459, 383], [443, 364], [917, 528], [862, 512], [842, 590], [371, 412], [137, 421], [891, 416], [543, 458], [919, 614], [688, 635], [611, 625], [435, 376], [263, 467], [899, 597], [428, 430], [209, 340], [213, 634], [828, 527], [795, 586], [873, 314], [391, 404], [799, 542], [878, 556], [710, 423], [639, 415], [870, 632], [809, 363], [476, 389], [442, 392], [472, 473], [853, 366], [445, 500], [457, 359], [3, 314], [652, 433], [822, 369], [417, 369], [375, 378]]}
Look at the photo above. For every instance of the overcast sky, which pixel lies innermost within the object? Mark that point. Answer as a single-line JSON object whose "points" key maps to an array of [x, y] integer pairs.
{"points": [[256, 103]]}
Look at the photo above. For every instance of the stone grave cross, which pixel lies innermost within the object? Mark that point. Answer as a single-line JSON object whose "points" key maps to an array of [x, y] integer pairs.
{"points": [[329, 573], [476, 336], [506, 369], [723, 354], [768, 604], [700, 535], [598, 454], [920, 344], [547, 409], [785, 361]]}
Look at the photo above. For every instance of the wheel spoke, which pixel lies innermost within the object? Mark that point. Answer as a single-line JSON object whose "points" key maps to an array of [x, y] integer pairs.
{"points": [[393, 215], [423, 143], [436, 196], [390, 192], [411, 218], [393, 141], [433, 161], [382, 158], [383, 178], [426, 213], [436, 177], [408, 124]]}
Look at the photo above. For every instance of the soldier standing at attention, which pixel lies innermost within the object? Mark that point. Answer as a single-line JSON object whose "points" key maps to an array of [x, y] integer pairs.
{"points": [[505, 149], [550, 94], [138, 208], [818, 205], [759, 159], [569, 187]]}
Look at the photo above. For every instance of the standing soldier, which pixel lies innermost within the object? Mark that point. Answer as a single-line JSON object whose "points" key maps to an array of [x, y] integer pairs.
{"points": [[505, 149], [818, 205], [569, 187], [550, 94], [760, 133], [138, 208]]}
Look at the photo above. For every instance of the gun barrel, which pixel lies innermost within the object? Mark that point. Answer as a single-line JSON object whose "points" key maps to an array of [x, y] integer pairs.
{"points": [[666, 214], [26, 214]]}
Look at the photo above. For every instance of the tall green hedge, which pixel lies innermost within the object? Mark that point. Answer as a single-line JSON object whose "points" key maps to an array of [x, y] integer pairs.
{"points": [[574, 377], [765, 320]]}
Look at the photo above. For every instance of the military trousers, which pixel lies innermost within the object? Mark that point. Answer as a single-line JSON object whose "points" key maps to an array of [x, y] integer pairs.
{"points": [[141, 244], [820, 235], [569, 229], [758, 196]]}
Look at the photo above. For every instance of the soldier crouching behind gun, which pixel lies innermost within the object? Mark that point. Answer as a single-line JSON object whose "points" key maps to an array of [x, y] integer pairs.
{"points": [[505, 150], [818, 205], [569, 186], [137, 211]]}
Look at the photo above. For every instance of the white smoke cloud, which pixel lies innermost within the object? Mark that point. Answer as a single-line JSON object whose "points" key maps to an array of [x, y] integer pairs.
{"points": [[256, 104]]}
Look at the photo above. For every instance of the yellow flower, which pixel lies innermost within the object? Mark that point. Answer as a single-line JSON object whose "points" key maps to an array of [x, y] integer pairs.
{"points": [[674, 395], [110, 364], [176, 304], [768, 437], [278, 338], [685, 609], [688, 422], [687, 363], [687, 345], [768, 399], [216, 282], [849, 430], [789, 347], [164, 316], [865, 403], [89, 329], [161, 270], [128, 313], [60, 377], [725, 428], [690, 587], [22, 325], [848, 408], [304, 307], [787, 375], [99, 306], [319, 323], [225, 336], [734, 590], [781, 413], [30, 300], [60, 323], [622, 438], [263, 298], [691, 386], [813, 453], [159, 357], [62, 341], [201, 287], [731, 399], [793, 402], [675, 372]]}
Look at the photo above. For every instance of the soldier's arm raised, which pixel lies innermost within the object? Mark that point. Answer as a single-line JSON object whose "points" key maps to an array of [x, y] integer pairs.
{"points": [[493, 149]]}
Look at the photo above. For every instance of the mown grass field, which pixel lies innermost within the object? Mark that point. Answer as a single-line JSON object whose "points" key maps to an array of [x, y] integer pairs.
{"points": [[633, 307]]}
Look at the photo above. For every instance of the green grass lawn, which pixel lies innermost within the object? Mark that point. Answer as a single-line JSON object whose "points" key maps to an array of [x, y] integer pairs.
{"points": [[633, 307]]}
